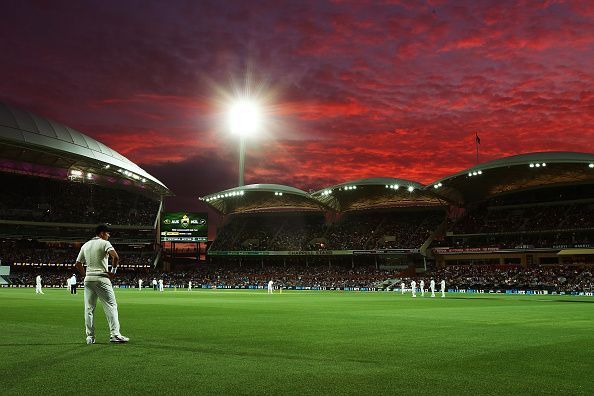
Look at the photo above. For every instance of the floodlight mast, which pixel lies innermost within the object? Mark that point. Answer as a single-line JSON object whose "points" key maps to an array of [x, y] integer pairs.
{"points": [[241, 159], [244, 120]]}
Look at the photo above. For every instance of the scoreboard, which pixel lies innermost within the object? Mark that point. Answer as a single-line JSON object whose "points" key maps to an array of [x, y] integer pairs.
{"points": [[184, 227]]}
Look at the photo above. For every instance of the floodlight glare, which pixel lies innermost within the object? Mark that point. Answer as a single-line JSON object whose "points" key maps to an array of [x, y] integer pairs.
{"points": [[244, 117], [591, 165], [410, 188]]}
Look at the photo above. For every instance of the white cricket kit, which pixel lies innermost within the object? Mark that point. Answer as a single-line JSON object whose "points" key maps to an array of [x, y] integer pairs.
{"points": [[432, 287], [139, 284], [94, 254], [402, 288], [68, 284], [422, 285], [413, 286], [270, 283], [189, 285], [443, 288], [38, 285], [160, 284]]}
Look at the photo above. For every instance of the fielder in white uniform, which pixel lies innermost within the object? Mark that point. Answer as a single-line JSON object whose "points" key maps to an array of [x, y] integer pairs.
{"points": [[413, 286], [432, 287], [270, 283], [190, 286], [94, 254], [38, 285], [422, 285], [73, 284], [160, 285], [68, 284], [443, 288], [139, 284], [402, 285]]}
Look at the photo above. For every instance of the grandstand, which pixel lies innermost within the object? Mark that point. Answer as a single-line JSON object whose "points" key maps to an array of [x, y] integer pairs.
{"points": [[59, 183], [524, 212]]}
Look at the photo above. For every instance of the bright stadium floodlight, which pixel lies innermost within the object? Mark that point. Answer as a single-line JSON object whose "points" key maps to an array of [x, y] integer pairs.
{"points": [[244, 120]]}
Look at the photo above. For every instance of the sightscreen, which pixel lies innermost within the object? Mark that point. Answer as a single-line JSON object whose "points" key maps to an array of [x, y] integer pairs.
{"points": [[184, 227]]}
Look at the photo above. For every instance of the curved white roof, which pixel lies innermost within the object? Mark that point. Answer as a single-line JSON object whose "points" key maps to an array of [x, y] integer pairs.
{"points": [[27, 129]]}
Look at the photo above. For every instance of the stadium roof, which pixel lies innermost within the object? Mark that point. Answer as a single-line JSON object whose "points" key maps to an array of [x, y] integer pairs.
{"points": [[505, 175], [517, 173], [260, 197], [358, 194], [381, 192], [29, 138]]}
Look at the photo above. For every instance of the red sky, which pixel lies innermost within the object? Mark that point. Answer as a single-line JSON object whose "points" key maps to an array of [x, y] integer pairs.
{"points": [[350, 90]]}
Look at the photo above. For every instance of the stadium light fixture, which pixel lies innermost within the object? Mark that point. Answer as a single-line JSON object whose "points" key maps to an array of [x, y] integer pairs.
{"points": [[410, 189], [244, 120], [591, 165]]}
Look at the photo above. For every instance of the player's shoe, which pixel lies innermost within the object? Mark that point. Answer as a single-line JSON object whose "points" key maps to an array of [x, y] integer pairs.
{"points": [[90, 340], [119, 339]]}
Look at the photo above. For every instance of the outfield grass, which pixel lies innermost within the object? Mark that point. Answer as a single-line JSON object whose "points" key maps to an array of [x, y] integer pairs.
{"points": [[247, 342]]}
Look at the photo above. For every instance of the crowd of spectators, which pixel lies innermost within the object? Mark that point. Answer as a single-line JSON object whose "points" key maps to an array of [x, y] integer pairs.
{"points": [[25, 257], [486, 277], [557, 216], [307, 231], [62, 201], [477, 277]]}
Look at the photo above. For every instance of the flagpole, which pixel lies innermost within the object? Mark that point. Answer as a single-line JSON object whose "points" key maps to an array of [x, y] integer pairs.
{"points": [[477, 141]]}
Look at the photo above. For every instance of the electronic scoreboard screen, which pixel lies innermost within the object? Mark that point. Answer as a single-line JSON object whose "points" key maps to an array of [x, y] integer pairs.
{"points": [[184, 227]]}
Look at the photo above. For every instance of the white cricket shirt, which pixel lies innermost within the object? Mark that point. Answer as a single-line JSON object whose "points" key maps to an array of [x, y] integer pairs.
{"points": [[94, 254]]}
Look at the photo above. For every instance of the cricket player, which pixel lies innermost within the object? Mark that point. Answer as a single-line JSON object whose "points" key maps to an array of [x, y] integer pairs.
{"points": [[422, 285], [139, 284], [190, 286], [402, 285], [154, 284], [270, 283], [73, 284], [160, 285], [94, 254], [443, 288], [432, 287], [38, 285], [413, 286], [68, 284]]}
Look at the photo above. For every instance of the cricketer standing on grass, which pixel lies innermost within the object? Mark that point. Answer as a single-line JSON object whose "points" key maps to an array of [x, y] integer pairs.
{"points": [[402, 288], [443, 288], [160, 285], [73, 284], [270, 283], [38, 285], [154, 284], [139, 284], [422, 285], [413, 286], [190, 286], [94, 254], [68, 284], [432, 287]]}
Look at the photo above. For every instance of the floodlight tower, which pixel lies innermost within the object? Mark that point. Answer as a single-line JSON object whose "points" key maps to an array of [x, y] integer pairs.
{"points": [[244, 120]]}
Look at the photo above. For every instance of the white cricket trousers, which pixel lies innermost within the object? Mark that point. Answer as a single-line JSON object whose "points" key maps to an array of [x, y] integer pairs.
{"points": [[38, 289], [103, 290]]}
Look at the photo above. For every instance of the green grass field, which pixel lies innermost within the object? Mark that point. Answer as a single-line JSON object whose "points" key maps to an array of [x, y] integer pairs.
{"points": [[248, 342]]}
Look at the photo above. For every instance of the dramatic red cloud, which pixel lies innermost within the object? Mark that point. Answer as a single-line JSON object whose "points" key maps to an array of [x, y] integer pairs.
{"points": [[350, 90]]}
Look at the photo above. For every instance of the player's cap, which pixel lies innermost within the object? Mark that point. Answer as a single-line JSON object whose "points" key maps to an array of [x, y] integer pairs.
{"points": [[106, 227]]}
